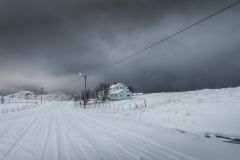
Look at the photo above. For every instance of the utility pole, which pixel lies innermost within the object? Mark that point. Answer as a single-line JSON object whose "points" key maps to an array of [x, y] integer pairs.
{"points": [[85, 97], [41, 95]]}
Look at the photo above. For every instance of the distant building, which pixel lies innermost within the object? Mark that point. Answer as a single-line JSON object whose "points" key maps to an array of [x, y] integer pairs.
{"points": [[117, 91]]}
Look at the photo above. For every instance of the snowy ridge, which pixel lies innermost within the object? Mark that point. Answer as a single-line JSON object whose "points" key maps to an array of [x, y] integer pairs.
{"points": [[27, 95]]}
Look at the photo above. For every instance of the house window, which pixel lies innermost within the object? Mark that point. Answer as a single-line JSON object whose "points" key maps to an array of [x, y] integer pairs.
{"points": [[120, 95], [128, 95], [116, 95], [117, 87]]}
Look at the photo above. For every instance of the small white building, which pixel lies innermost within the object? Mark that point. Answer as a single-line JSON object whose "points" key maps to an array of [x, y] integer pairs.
{"points": [[117, 91]]}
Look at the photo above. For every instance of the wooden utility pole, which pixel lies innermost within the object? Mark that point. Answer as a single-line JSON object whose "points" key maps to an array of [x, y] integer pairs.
{"points": [[41, 95], [85, 97]]}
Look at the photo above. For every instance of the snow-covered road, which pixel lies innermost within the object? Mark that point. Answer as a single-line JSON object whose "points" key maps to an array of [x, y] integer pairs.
{"points": [[59, 130]]}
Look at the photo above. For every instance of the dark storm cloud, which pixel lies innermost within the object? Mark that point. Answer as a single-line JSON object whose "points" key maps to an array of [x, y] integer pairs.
{"points": [[45, 43]]}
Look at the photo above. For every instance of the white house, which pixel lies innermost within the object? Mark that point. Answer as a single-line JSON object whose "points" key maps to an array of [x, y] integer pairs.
{"points": [[117, 91]]}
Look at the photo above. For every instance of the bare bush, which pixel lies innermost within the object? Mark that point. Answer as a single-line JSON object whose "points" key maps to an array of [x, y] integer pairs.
{"points": [[131, 89]]}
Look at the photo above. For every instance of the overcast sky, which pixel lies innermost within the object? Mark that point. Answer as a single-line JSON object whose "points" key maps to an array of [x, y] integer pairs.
{"points": [[44, 43]]}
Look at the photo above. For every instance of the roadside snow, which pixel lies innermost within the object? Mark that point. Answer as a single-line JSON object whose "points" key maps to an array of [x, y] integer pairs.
{"points": [[201, 112], [175, 126]]}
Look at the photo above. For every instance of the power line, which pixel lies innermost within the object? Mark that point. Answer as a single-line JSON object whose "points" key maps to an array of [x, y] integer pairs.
{"points": [[89, 81], [64, 83], [151, 45], [164, 39]]}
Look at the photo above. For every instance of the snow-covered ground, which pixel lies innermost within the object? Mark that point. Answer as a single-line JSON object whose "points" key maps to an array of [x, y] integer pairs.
{"points": [[181, 125]]}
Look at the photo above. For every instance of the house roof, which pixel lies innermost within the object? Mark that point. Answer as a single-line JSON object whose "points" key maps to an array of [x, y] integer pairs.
{"points": [[114, 85], [116, 92]]}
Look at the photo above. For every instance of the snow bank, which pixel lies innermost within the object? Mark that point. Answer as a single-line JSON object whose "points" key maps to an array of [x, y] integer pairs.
{"points": [[203, 112]]}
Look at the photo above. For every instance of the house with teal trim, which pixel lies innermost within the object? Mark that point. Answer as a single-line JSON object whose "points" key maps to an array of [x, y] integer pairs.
{"points": [[117, 91]]}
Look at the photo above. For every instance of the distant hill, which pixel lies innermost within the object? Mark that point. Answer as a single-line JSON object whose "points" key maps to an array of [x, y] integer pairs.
{"points": [[48, 97]]}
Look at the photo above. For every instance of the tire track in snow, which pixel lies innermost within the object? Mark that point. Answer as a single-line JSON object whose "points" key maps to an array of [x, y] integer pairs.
{"points": [[67, 139], [96, 142], [21, 138], [73, 145], [76, 126], [129, 147], [132, 150], [47, 149], [9, 128], [156, 145], [61, 140]]}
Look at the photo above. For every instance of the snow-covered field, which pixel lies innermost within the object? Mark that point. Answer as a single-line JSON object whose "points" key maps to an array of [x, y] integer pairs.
{"points": [[183, 125]]}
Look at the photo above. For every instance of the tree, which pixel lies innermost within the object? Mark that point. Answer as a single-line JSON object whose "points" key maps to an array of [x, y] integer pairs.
{"points": [[2, 99], [87, 94], [93, 94], [82, 95], [76, 98], [105, 91], [102, 90], [97, 90], [131, 89]]}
